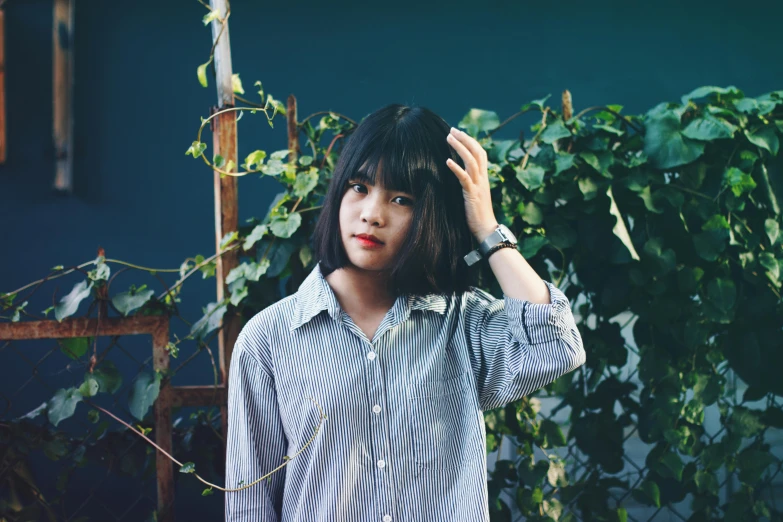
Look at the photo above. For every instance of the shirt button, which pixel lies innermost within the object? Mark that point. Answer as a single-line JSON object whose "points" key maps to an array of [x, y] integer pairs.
{"points": [[376, 409], [371, 356], [381, 464], [387, 518]]}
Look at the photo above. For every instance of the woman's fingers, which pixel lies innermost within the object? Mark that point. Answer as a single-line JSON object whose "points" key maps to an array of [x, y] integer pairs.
{"points": [[472, 145], [472, 153], [462, 176]]}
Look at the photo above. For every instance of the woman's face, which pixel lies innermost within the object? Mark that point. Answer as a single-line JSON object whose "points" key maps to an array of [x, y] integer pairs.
{"points": [[373, 210]]}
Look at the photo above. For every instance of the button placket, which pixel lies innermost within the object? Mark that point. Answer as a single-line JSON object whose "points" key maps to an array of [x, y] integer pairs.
{"points": [[379, 435]]}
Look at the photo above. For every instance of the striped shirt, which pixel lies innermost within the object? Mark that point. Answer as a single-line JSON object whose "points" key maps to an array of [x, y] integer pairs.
{"points": [[404, 435]]}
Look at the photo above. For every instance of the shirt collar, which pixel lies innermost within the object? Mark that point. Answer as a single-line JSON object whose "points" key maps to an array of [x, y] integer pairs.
{"points": [[315, 295]]}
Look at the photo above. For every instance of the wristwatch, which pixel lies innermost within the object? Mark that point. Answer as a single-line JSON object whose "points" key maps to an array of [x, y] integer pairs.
{"points": [[501, 237]]}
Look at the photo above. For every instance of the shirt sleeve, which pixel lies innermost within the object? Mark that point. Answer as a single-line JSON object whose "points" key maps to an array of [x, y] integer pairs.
{"points": [[256, 441], [517, 347]]}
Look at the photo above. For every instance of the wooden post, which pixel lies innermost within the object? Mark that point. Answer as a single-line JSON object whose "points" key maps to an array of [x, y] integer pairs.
{"points": [[164, 467], [224, 141], [62, 94], [3, 147], [293, 129]]}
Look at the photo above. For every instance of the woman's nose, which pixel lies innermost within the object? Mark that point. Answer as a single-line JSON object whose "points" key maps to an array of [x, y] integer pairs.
{"points": [[371, 211]]}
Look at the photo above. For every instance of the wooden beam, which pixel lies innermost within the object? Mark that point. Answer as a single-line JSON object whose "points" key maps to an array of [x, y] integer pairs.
{"points": [[82, 327], [224, 140], [62, 93], [198, 396], [3, 147]]}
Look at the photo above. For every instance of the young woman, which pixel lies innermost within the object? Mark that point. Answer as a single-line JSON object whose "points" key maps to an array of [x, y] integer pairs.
{"points": [[390, 340]]}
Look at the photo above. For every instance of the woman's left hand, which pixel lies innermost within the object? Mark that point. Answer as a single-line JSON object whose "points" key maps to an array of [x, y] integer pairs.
{"points": [[475, 183]]}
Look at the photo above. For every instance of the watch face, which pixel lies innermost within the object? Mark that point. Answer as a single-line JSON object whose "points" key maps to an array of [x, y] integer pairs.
{"points": [[507, 233]]}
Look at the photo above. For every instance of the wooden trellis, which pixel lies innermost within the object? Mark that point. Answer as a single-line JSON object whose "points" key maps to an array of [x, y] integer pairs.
{"points": [[169, 396]]}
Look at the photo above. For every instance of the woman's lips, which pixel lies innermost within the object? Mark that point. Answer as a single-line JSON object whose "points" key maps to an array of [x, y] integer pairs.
{"points": [[368, 243]]}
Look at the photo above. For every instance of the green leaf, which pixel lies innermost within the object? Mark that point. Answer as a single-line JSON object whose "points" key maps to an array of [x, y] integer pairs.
{"points": [[752, 462], [609, 128], [722, 293], [772, 228], [753, 106], [588, 187], [664, 143], [255, 235], [536, 103], [196, 149], [126, 302], [143, 393], [600, 161], [236, 84], [706, 482], [530, 212], [553, 433], [227, 239], [36, 412], [89, 387], [738, 181], [620, 229], [648, 493], [305, 160], [706, 91], [563, 162], [213, 315], [187, 467], [556, 475], [279, 254], [305, 182], [555, 131], [766, 138], [768, 261], [745, 422], [108, 377], [285, 226], [218, 161], [63, 405], [499, 150], [70, 303], [673, 463], [75, 347], [708, 388], [213, 14], [477, 120], [280, 155], [201, 73], [531, 177], [709, 128], [207, 492], [305, 255], [711, 243], [273, 167], [254, 160], [530, 246]]}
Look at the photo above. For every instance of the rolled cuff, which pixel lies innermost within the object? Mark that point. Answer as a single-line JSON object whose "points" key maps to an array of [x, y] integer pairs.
{"points": [[536, 323]]}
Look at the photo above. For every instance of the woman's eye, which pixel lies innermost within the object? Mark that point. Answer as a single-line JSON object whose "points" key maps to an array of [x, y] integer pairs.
{"points": [[354, 185], [405, 201]]}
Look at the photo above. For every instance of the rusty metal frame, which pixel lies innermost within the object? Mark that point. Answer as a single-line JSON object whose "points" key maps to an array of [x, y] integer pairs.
{"points": [[169, 396]]}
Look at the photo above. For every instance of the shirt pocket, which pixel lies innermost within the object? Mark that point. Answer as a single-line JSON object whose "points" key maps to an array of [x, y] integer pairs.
{"points": [[446, 427]]}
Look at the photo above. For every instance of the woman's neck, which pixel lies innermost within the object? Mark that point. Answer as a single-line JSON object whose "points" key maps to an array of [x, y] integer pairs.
{"points": [[361, 292]]}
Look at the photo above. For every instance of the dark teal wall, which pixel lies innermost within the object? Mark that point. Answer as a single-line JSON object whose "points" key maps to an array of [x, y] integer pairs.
{"points": [[138, 103]]}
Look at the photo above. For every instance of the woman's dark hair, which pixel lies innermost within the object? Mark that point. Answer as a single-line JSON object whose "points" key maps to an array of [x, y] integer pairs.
{"points": [[410, 143]]}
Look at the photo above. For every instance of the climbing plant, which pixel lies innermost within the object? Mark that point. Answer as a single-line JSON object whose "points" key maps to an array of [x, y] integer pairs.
{"points": [[663, 229]]}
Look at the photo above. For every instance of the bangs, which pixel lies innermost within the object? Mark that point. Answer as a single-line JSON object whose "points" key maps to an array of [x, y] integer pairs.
{"points": [[407, 157]]}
